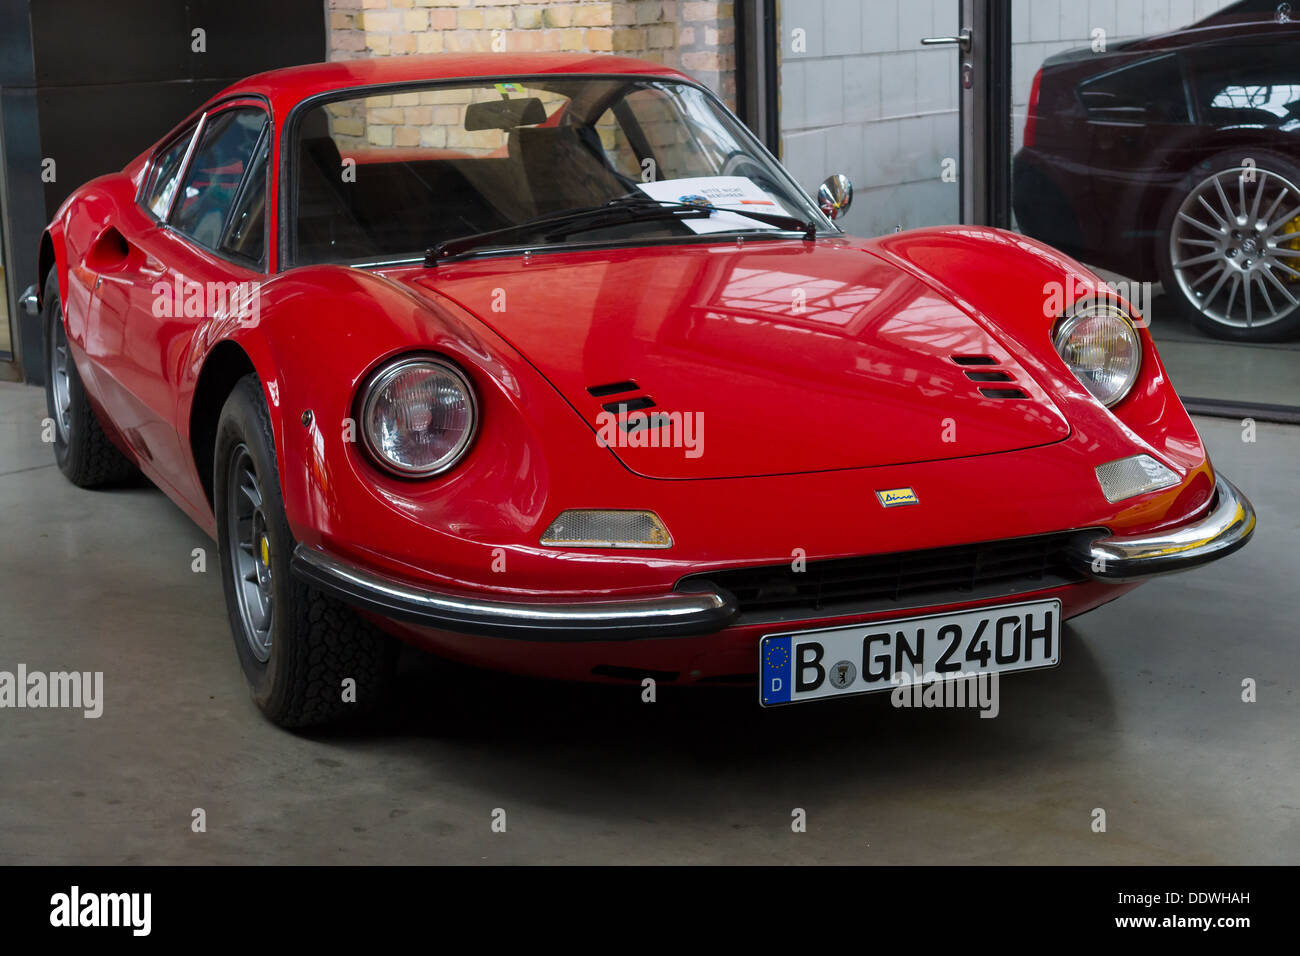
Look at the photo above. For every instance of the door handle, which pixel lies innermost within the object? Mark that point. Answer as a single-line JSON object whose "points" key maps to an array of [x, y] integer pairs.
{"points": [[962, 40]]}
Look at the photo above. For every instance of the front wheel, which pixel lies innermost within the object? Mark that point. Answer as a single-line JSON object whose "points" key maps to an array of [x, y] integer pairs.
{"points": [[1229, 247], [309, 659]]}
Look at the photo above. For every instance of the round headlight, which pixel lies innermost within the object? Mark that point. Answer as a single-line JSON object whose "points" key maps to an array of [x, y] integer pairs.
{"points": [[1102, 349], [418, 416]]}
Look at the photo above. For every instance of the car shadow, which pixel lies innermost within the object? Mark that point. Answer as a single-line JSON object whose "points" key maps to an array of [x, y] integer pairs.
{"points": [[601, 749]]}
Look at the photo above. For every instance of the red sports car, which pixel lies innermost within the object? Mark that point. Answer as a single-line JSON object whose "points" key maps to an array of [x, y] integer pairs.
{"points": [[545, 364]]}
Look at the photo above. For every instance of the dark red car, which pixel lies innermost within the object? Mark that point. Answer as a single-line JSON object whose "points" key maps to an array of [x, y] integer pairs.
{"points": [[1176, 158], [545, 364]]}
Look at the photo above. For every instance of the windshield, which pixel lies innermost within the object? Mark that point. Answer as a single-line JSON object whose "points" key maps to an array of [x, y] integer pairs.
{"points": [[385, 177]]}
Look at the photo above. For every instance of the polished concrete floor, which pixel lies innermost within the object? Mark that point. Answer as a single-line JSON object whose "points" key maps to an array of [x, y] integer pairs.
{"points": [[1143, 719]]}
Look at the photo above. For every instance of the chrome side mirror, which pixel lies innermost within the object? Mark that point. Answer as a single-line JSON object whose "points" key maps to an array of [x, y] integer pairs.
{"points": [[835, 196]]}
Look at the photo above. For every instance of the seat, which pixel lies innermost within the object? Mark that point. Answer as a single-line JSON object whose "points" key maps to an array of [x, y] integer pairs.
{"points": [[564, 167]]}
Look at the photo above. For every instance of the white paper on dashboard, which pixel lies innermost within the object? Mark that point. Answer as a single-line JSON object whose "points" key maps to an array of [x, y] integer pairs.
{"points": [[725, 192]]}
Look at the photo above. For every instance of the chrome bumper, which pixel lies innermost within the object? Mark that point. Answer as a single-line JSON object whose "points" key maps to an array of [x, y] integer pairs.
{"points": [[1223, 529], [678, 614]]}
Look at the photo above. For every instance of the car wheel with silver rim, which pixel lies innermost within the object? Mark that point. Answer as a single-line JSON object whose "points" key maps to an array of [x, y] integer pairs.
{"points": [[308, 658], [1230, 250]]}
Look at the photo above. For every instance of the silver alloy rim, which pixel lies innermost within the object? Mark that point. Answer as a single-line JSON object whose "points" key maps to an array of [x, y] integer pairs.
{"points": [[59, 384], [1229, 253], [249, 546]]}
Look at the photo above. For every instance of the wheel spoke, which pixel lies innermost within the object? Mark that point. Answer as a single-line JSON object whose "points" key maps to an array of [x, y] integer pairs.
{"points": [[1218, 285], [1207, 274], [1263, 291], [1277, 201], [250, 492], [1200, 225], [1232, 295], [1259, 194], [1222, 223], [1197, 260], [1274, 227], [1223, 197], [1281, 286]]}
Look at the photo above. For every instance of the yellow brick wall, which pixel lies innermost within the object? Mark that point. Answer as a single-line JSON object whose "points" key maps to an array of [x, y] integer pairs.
{"points": [[696, 36]]}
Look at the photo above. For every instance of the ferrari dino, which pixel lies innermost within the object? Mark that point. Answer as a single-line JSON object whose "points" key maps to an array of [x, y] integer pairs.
{"points": [[544, 363]]}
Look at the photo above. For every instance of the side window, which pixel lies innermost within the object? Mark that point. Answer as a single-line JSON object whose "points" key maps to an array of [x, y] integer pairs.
{"points": [[212, 181], [1150, 91], [245, 234], [1256, 87], [166, 171]]}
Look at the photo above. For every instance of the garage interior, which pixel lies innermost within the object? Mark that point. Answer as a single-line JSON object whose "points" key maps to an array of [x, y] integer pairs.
{"points": [[1144, 718]]}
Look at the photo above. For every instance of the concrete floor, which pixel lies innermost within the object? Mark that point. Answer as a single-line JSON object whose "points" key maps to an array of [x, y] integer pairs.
{"points": [[1143, 718]]}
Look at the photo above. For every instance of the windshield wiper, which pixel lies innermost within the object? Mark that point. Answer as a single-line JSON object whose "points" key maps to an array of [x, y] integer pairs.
{"points": [[788, 223], [632, 207]]}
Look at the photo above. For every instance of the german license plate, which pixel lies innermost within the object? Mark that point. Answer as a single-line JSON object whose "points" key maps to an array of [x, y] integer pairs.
{"points": [[863, 658]]}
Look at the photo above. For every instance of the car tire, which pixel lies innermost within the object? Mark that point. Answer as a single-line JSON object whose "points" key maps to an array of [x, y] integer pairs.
{"points": [[299, 648], [84, 452], [1208, 257]]}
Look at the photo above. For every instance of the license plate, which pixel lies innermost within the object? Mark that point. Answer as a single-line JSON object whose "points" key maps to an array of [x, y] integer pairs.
{"points": [[865, 658]]}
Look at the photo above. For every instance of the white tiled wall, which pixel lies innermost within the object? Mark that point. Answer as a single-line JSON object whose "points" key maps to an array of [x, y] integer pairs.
{"points": [[867, 100]]}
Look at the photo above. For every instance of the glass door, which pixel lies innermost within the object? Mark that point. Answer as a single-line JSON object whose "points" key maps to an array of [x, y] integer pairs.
{"points": [[1159, 143], [860, 95]]}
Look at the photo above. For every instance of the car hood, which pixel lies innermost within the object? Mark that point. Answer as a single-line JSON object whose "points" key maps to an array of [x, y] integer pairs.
{"points": [[774, 357]]}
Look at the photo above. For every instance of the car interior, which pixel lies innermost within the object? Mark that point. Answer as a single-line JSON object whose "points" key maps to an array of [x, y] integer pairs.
{"points": [[397, 207]]}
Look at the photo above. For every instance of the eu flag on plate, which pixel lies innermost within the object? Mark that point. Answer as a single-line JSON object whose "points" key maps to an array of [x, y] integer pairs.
{"points": [[776, 674]]}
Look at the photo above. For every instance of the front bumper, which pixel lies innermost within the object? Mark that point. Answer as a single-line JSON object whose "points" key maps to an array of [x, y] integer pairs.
{"points": [[1225, 527], [668, 615]]}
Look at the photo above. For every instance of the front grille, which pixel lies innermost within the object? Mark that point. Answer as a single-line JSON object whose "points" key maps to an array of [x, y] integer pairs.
{"points": [[905, 579]]}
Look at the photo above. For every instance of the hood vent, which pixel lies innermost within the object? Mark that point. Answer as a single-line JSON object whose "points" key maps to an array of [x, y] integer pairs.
{"points": [[614, 388], [624, 406], [999, 391], [629, 405]]}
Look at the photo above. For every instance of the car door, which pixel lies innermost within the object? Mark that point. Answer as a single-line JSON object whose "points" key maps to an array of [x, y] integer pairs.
{"points": [[1138, 123], [204, 258]]}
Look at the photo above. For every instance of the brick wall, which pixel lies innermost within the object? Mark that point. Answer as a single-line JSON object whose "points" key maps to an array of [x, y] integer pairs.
{"points": [[696, 36]]}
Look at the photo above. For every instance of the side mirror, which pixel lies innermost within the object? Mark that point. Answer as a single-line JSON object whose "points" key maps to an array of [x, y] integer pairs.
{"points": [[835, 196]]}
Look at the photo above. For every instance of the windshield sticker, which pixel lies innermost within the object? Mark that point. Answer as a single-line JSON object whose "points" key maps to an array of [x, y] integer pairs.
{"points": [[724, 192], [505, 89]]}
